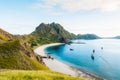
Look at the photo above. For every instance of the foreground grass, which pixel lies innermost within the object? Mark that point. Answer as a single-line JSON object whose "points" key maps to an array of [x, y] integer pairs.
{"points": [[34, 75]]}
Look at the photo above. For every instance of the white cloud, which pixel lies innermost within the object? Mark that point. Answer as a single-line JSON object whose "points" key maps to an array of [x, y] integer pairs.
{"points": [[55, 13], [46, 3], [77, 5]]}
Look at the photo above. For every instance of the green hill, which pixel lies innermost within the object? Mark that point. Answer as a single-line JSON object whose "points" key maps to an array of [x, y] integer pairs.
{"points": [[88, 36], [49, 33], [13, 55], [17, 54]]}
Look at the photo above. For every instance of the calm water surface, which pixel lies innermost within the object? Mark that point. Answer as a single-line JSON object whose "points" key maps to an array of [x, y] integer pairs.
{"points": [[106, 61]]}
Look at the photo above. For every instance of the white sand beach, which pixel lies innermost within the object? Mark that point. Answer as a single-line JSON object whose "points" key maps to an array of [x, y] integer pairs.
{"points": [[58, 66]]}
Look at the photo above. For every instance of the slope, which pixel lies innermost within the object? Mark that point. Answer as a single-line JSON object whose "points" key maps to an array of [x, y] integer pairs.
{"points": [[48, 33], [17, 54]]}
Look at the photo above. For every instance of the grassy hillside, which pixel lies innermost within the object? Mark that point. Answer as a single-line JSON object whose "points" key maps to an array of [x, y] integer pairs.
{"points": [[14, 56], [15, 53], [34, 75]]}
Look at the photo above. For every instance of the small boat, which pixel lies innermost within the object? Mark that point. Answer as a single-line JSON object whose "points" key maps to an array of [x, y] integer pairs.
{"points": [[102, 48], [71, 49], [92, 56]]}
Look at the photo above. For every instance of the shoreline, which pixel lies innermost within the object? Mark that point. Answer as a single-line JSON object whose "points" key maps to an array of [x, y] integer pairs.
{"points": [[58, 66]]}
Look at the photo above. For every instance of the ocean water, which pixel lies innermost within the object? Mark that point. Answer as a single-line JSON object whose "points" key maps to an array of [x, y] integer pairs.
{"points": [[106, 63]]}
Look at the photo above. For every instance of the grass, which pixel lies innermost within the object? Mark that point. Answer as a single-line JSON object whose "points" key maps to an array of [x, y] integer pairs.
{"points": [[2, 37], [34, 75], [12, 56]]}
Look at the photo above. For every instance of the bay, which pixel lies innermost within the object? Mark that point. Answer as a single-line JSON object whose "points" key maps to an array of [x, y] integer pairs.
{"points": [[106, 62]]}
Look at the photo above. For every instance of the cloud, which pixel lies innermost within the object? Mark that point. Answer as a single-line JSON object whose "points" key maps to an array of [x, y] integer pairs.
{"points": [[55, 13], [78, 5], [45, 3]]}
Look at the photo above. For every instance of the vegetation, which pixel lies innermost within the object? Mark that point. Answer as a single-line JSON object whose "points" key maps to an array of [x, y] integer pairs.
{"points": [[34, 75], [15, 53], [48, 33], [88, 36], [14, 56], [3, 38]]}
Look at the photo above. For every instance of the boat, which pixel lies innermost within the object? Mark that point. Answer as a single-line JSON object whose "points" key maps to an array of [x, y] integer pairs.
{"points": [[102, 48], [92, 56], [71, 49], [93, 51]]}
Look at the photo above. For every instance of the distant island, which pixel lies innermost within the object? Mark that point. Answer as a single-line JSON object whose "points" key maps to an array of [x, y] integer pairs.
{"points": [[116, 37], [88, 36]]}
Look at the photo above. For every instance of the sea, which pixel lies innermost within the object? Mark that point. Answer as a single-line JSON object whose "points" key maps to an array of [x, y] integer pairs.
{"points": [[100, 57]]}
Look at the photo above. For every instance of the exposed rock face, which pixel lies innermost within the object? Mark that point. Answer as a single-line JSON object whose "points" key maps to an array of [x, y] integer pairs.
{"points": [[39, 58]]}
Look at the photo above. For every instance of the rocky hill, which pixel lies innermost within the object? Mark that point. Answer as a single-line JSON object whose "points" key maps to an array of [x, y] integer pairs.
{"points": [[15, 53], [49, 33]]}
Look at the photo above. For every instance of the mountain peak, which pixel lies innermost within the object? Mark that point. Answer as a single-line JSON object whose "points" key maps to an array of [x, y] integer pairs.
{"points": [[52, 32], [52, 28], [48, 25]]}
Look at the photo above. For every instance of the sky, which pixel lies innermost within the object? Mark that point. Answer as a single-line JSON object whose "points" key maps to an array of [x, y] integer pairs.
{"points": [[100, 17]]}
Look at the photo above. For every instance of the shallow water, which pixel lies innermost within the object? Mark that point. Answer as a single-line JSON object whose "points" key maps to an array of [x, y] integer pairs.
{"points": [[106, 61]]}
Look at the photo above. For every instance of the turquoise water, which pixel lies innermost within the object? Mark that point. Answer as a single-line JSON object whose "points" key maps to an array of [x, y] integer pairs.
{"points": [[106, 63]]}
